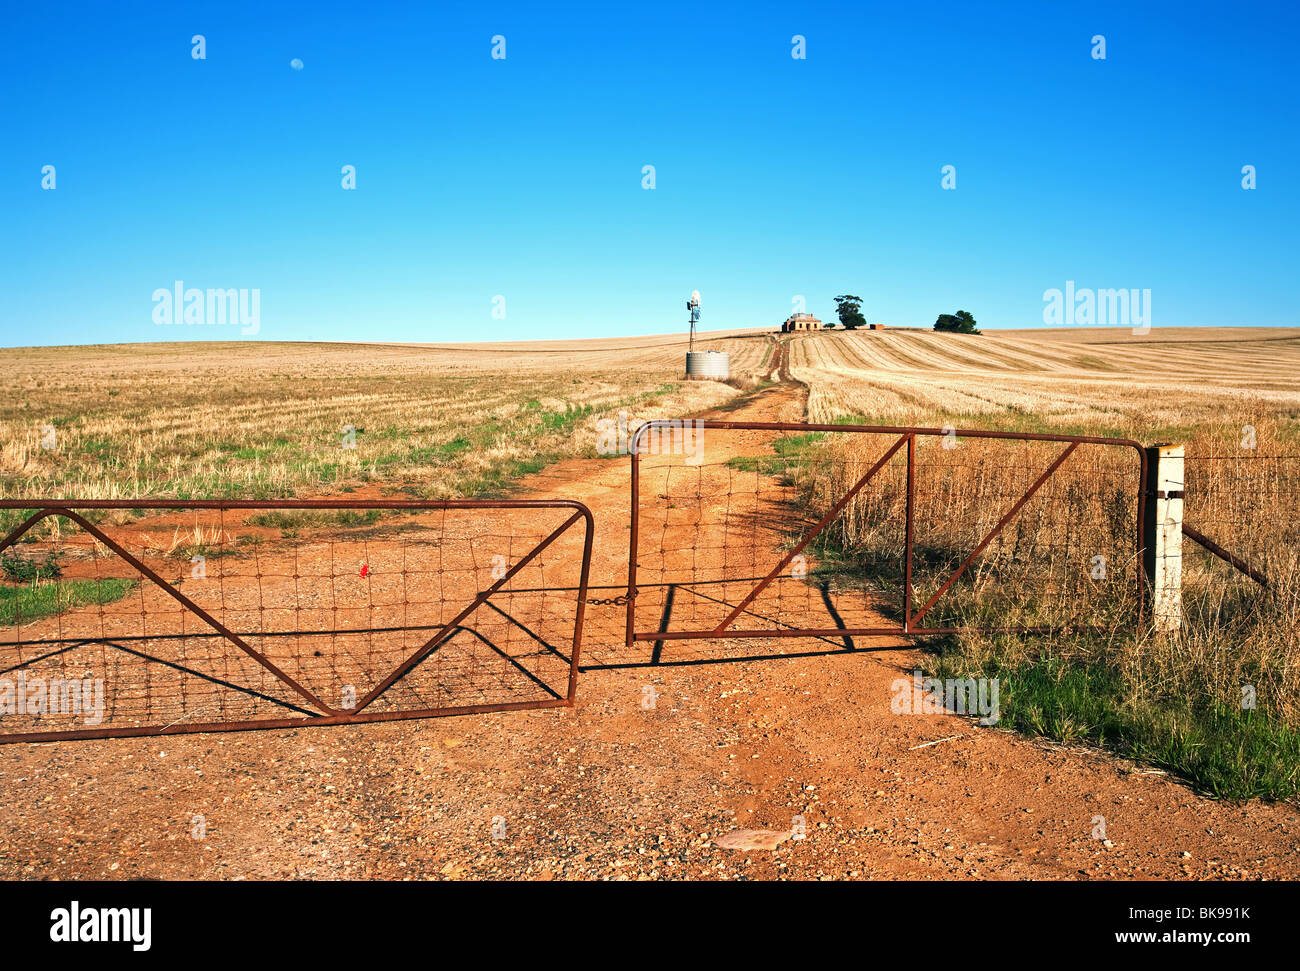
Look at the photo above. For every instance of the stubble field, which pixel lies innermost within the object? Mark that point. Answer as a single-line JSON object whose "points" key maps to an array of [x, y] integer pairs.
{"points": [[269, 420], [1231, 398], [279, 420]]}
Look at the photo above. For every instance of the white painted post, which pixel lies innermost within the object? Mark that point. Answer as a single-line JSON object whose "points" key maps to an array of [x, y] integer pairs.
{"points": [[1162, 536]]}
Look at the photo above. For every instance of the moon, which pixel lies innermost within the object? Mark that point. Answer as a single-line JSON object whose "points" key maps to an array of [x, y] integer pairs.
{"points": [[296, 64]]}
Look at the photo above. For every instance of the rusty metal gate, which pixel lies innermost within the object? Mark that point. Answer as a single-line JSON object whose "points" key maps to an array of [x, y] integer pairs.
{"points": [[131, 617], [1241, 510], [763, 530]]}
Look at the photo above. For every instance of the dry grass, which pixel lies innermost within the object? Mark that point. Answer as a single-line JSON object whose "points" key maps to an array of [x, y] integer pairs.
{"points": [[271, 420], [1042, 569], [1130, 387], [196, 540], [1175, 699]]}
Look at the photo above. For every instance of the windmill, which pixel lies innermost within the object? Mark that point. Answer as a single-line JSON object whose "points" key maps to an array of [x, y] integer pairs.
{"points": [[708, 365]]}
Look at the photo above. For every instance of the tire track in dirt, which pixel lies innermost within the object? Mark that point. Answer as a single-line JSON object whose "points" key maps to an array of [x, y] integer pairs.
{"points": [[817, 737], [612, 789]]}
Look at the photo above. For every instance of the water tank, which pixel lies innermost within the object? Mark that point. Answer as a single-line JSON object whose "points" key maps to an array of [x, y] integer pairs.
{"points": [[708, 365]]}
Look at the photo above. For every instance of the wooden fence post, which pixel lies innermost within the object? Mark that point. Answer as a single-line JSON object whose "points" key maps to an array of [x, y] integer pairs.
{"points": [[1162, 536]]}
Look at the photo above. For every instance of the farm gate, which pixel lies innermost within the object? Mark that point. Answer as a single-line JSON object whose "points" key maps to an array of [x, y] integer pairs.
{"points": [[785, 535], [134, 617], [1242, 512], [746, 539]]}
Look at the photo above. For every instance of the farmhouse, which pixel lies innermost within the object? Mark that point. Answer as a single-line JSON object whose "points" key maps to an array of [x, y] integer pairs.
{"points": [[801, 322]]}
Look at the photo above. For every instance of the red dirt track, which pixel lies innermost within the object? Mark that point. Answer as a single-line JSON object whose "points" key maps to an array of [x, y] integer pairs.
{"points": [[613, 789]]}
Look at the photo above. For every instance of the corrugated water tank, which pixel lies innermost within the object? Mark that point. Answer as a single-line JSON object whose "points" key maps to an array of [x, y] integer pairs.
{"points": [[708, 365]]}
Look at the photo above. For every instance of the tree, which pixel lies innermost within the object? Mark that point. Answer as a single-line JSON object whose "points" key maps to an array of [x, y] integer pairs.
{"points": [[849, 309], [959, 323]]}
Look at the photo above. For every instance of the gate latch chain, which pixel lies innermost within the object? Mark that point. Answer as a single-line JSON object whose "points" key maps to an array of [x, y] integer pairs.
{"points": [[619, 601]]}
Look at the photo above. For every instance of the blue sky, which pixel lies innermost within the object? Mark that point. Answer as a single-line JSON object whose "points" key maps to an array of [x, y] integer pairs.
{"points": [[522, 177]]}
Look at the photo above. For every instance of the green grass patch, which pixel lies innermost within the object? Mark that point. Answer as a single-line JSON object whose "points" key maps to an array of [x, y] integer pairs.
{"points": [[295, 519], [28, 569], [427, 455], [252, 453], [495, 482], [788, 449], [97, 448], [455, 447], [1106, 690], [1232, 753], [563, 421], [32, 601]]}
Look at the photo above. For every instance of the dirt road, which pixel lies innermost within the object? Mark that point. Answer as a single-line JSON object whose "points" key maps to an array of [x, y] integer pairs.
{"points": [[614, 789]]}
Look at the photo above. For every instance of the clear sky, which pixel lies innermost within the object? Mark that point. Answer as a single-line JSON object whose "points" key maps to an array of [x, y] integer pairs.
{"points": [[480, 177]]}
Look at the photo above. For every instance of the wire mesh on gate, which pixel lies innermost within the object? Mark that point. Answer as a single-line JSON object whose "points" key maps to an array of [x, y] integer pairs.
{"points": [[778, 538], [133, 617], [1242, 514]]}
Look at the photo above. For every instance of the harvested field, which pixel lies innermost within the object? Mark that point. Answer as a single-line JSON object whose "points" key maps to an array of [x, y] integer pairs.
{"points": [[275, 420], [673, 745], [1101, 382]]}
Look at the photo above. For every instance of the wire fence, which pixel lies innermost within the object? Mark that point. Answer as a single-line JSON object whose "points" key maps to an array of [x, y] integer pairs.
{"points": [[746, 540], [134, 618], [790, 535], [1242, 515]]}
